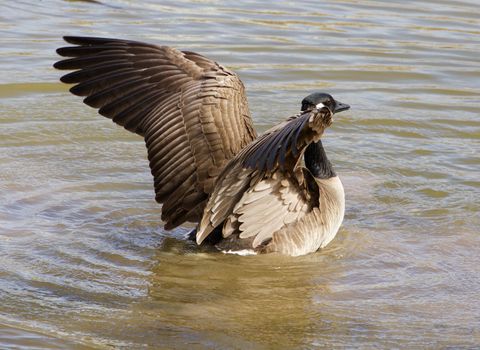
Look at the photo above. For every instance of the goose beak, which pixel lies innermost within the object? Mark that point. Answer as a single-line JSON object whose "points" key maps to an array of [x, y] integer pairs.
{"points": [[340, 107]]}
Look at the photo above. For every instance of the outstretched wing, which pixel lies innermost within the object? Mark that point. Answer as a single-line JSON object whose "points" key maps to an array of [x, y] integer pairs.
{"points": [[263, 188], [192, 112]]}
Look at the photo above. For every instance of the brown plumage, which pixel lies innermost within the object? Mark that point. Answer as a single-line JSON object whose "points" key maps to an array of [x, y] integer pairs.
{"points": [[192, 112], [207, 164]]}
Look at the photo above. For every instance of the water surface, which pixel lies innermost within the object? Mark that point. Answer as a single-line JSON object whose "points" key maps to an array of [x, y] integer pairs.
{"points": [[85, 262]]}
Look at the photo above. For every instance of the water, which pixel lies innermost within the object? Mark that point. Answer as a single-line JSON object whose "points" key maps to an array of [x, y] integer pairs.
{"points": [[85, 263]]}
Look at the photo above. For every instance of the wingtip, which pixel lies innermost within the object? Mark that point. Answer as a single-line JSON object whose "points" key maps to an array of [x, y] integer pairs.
{"points": [[81, 40], [71, 39], [62, 64], [91, 40], [65, 78], [202, 232], [62, 51], [200, 237]]}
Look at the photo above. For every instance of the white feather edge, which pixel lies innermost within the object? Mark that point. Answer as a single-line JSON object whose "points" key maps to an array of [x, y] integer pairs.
{"points": [[243, 252]]}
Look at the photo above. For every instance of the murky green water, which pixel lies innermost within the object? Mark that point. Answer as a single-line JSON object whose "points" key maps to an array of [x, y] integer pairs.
{"points": [[85, 263]]}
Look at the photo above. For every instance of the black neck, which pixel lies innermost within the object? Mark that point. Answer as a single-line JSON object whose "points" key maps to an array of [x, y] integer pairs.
{"points": [[317, 162]]}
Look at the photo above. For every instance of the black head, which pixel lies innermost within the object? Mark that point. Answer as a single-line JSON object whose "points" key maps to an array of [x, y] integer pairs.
{"points": [[319, 100]]}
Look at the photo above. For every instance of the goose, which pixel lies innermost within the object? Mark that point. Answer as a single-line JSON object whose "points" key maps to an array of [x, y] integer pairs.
{"points": [[245, 193]]}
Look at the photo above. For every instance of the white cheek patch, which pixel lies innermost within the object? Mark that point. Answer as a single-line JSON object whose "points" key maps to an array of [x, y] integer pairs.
{"points": [[320, 105]]}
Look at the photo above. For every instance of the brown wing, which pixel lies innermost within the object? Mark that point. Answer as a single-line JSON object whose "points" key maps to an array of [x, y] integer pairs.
{"points": [[192, 112], [263, 188]]}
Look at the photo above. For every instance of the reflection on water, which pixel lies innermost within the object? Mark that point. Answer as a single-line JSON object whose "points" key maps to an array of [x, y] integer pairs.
{"points": [[84, 259]]}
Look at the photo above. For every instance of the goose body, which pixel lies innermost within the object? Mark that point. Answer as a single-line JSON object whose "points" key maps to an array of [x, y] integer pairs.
{"points": [[266, 201], [245, 193]]}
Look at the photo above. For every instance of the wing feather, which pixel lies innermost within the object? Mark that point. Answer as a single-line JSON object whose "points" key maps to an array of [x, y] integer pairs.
{"points": [[191, 111], [92, 72]]}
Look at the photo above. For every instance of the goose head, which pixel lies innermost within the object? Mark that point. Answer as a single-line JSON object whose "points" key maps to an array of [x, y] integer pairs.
{"points": [[321, 100], [315, 157]]}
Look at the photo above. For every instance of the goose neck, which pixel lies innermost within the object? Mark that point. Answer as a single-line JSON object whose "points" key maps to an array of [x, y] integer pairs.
{"points": [[317, 162]]}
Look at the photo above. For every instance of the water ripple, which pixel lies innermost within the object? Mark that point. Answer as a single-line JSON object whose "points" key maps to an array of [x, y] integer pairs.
{"points": [[84, 257]]}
